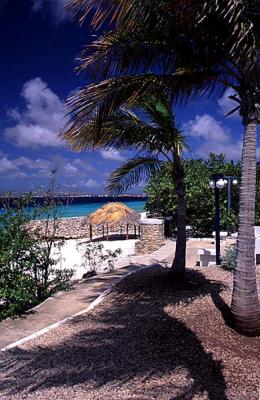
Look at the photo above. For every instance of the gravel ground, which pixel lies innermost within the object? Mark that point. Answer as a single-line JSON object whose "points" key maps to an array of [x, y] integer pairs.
{"points": [[147, 341]]}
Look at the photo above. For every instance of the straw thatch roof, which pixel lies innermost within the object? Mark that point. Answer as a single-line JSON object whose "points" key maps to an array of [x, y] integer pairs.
{"points": [[113, 214]]}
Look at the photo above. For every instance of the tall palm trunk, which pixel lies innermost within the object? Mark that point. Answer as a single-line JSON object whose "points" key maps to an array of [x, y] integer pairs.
{"points": [[245, 303], [178, 266]]}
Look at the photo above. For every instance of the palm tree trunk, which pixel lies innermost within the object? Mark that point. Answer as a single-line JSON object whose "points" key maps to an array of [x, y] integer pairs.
{"points": [[178, 266], [245, 305]]}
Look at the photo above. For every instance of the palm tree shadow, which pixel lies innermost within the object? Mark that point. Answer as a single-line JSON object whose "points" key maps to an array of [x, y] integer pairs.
{"points": [[224, 309], [133, 338]]}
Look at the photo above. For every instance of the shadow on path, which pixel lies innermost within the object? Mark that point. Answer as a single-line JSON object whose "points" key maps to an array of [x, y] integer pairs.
{"points": [[130, 343]]}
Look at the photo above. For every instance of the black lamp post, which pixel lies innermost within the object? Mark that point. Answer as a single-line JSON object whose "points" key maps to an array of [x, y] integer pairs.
{"points": [[218, 182], [231, 180]]}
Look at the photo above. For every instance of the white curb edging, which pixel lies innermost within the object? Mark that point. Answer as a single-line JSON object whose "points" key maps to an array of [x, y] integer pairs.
{"points": [[92, 305]]}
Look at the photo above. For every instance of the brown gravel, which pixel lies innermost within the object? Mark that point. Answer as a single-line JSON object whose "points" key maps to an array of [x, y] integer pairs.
{"points": [[147, 341]]}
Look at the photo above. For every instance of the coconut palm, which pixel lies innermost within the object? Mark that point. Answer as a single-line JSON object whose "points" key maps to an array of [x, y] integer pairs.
{"points": [[145, 125], [191, 47]]}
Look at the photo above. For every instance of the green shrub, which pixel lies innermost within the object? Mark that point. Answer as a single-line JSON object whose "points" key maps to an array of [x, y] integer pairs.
{"points": [[28, 274], [94, 255], [230, 258], [200, 200]]}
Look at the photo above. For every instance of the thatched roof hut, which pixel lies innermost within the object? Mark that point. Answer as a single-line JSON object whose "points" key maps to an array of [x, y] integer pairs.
{"points": [[112, 214]]}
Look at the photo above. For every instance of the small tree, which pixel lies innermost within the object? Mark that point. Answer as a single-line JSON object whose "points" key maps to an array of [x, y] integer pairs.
{"points": [[144, 124], [49, 213], [28, 272]]}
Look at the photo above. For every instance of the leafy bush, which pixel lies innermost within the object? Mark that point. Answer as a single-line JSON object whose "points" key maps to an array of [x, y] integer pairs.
{"points": [[200, 201], [28, 274], [230, 258]]}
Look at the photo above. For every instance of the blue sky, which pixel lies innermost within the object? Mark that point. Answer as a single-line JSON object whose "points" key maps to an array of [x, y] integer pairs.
{"points": [[39, 43]]}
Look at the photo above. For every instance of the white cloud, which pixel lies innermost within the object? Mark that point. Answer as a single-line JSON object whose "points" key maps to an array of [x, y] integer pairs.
{"points": [[90, 183], [21, 175], [25, 173], [39, 163], [57, 9], [83, 165], [70, 172], [112, 155], [40, 167], [233, 151], [70, 169], [213, 137], [24, 167], [41, 121], [6, 165], [14, 114], [226, 104], [208, 128]]}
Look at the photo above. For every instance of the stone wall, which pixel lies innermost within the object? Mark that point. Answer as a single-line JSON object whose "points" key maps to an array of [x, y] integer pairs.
{"points": [[74, 228], [151, 236]]}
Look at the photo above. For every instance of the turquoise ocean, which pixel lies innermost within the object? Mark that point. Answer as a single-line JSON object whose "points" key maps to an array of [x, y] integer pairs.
{"points": [[83, 207], [81, 210]]}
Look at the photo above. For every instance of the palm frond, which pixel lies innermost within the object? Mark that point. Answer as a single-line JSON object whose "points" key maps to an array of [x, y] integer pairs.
{"points": [[117, 11], [102, 10], [123, 131], [101, 118], [96, 103], [240, 34], [126, 52], [230, 27], [132, 173]]}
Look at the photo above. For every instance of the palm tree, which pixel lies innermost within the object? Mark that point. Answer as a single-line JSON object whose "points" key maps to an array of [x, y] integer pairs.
{"points": [[191, 47], [151, 132]]}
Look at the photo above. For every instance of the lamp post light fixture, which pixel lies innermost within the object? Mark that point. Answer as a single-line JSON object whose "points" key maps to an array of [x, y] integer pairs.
{"points": [[217, 183]]}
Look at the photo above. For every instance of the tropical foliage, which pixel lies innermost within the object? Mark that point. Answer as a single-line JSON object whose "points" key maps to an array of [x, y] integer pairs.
{"points": [[145, 125], [200, 201], [28, 272], [187, 48]]}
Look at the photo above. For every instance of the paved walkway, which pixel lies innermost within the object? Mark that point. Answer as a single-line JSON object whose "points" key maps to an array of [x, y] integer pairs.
{"points": [[67, 304]]}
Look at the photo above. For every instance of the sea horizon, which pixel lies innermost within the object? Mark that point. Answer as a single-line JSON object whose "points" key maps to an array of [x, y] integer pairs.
{"points": [[84, 209], [81, 206]]}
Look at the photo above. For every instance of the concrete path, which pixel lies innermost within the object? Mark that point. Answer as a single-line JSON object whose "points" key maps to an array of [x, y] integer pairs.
{"points": [[67, 304]]}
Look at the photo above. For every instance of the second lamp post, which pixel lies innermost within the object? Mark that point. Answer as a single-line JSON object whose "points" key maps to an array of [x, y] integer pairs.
{"points": [[218, 182]]}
